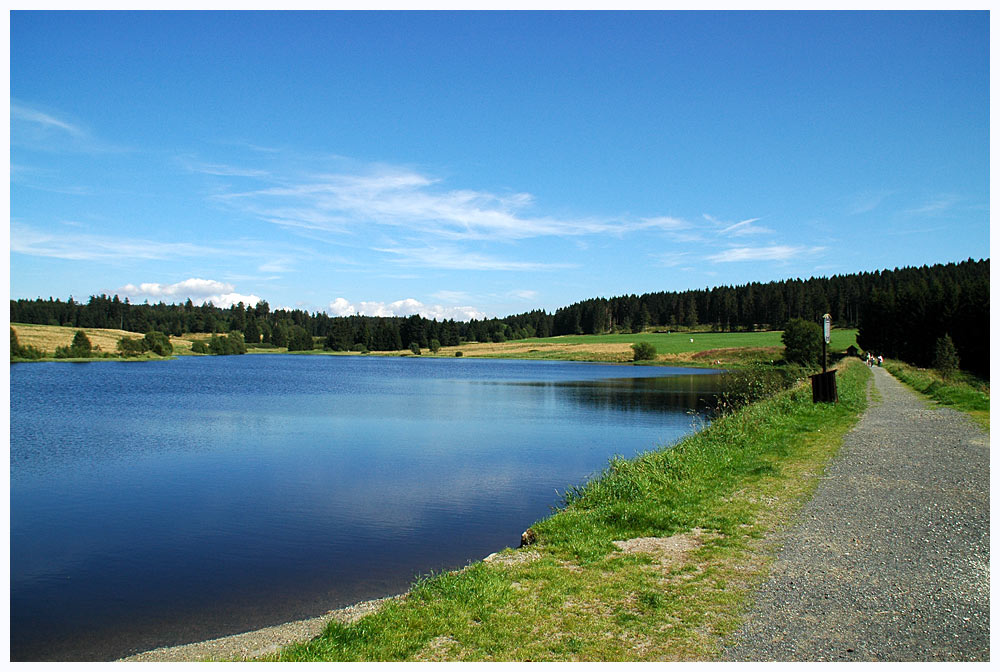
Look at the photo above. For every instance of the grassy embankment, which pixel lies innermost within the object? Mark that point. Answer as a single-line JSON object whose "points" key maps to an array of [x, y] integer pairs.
{"points": [[699, 516], [962, 391]]}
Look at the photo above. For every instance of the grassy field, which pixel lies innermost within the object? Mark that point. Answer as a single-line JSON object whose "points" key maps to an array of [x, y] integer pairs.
{"points": [[655, 560], [104, 341], [683, 348], [962, 391], [687, 349]]}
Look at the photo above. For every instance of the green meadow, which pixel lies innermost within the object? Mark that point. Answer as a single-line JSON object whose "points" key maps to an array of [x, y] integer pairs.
{"points": [[678, 342]]}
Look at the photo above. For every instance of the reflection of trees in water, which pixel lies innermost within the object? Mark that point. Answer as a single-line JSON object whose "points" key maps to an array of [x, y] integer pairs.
{"points": [[698, 392]]}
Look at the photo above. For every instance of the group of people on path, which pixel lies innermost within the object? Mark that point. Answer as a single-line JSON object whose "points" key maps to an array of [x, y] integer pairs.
{"points": [[872, 360]]}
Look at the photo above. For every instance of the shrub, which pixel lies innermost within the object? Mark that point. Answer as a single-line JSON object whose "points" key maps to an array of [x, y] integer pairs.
{"points": [[23, 351], [159, 343], [131, 347], [803, 342], [945, 356], [201, 347], [81, 345], [435, 345], [643, 351], [415, 348], [458, 353]]}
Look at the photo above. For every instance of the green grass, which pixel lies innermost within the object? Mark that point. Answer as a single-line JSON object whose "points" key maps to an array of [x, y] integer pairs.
{"points": [[681, 342], [574, 596], [962, 391]]}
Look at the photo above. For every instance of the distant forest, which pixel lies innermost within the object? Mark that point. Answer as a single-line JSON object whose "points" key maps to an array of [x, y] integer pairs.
{"points": [[899, 313]]}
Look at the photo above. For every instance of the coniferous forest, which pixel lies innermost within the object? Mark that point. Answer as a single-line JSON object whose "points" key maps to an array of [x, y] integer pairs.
{"points": [[900, 313]]}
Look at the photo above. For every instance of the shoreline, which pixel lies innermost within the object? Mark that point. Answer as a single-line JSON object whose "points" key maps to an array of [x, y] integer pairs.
{"points": [[256, 643]]}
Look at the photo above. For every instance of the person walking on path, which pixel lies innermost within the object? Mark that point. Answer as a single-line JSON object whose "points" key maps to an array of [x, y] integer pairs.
{"points": [[890, 559]]}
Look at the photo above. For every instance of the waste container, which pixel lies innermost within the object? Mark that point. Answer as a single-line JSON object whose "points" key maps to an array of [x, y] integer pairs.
{"points": [[824, 386]]}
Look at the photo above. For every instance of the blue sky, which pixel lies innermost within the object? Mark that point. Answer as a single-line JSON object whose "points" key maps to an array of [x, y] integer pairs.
{"points": [[478, 164]]}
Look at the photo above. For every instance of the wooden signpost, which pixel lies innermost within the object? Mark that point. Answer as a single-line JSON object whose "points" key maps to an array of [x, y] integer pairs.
{"points": [[825, 384]]}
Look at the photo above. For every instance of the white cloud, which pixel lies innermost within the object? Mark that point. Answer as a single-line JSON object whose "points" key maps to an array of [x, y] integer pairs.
{"points": [[42, 120], [403, 198], [526, 294], [341, 307], [742, 228], [670, 259], [199, 290], [766, 253], [47, 132], [455, 259], [451, 296], [935, 207], [82, 246]]}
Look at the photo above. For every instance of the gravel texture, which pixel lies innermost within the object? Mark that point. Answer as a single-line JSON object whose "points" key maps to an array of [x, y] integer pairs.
{"points": [[890, 559], [258, 643]]}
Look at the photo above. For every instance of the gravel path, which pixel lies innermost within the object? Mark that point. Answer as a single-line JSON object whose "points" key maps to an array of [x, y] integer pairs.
{"points": [[890, 559]]}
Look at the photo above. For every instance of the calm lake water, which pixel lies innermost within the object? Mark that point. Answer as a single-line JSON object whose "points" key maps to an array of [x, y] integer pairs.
{"points": [[166, 502]]}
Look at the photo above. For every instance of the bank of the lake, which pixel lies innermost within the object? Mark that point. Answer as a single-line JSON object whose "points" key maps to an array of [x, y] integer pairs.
{"points": [[654, 560]]}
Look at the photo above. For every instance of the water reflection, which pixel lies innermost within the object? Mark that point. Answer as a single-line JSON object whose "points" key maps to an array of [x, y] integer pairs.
{"points": [[685, 393], [203, 497]]}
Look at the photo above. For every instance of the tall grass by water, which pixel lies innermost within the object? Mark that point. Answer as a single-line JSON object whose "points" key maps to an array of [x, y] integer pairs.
{"points": [[696, 518]]}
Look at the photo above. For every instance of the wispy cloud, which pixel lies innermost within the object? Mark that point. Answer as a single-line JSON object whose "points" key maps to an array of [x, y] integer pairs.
{"points": [[48, 132], [19, 112], [766, 253], [405, 199], [671, 259], [526, 294], [451, 296], [402, 308], [456, 259], [867, 202], [199, 290], [221, 169], [937, 206], [742, 228], [82, 246]]}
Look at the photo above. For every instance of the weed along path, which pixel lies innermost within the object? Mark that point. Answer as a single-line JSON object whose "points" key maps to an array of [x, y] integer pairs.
{"points": [[889, 561]]}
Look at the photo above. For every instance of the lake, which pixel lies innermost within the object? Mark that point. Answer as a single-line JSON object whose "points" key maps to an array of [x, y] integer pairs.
{"points": [[159, 503]]}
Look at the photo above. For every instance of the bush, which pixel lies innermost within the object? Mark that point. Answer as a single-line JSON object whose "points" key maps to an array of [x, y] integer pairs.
{"points": [[435, 345], [458, 353], [415, 348], [159, 343], [23, 351], [945, 356], [643, 352], [131, 347], [81, 345], [201, 347], [803, 342]]}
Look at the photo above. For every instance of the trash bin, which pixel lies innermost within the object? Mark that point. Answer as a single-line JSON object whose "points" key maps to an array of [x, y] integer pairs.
{"points": [[824, 386]]}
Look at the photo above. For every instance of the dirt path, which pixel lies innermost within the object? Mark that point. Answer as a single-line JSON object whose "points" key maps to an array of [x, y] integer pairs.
{"points": [[890, 559]]}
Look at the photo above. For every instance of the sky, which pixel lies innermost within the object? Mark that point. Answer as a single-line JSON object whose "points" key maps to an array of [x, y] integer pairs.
{"points": [[470, 165]]}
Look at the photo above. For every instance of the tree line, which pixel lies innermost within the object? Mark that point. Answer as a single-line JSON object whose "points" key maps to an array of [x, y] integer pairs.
{"points": [[900, 313]]}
